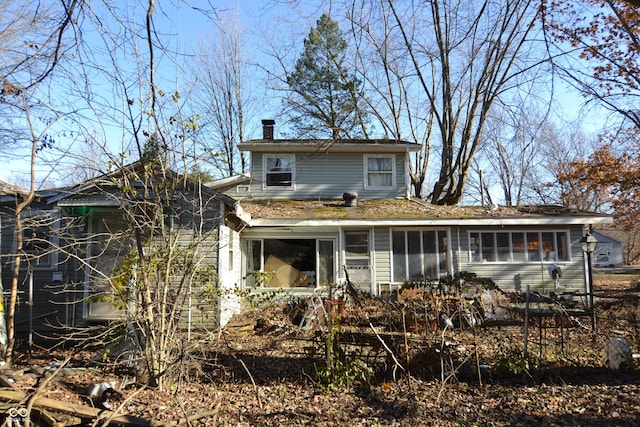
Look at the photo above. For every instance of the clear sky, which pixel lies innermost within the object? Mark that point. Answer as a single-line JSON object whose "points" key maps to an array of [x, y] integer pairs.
{"points": [[184, 28]]}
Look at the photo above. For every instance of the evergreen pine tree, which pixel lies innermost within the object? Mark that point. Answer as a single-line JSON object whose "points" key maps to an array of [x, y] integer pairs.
{"points": [[325, 97]]}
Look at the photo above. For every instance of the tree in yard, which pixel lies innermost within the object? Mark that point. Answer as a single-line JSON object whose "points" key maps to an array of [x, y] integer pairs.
{"points": [[608, 181], [153, 242], [153, 252], [325, 98], [523, 155], [438, 70], [223, 98], [605, 34], [612, 175], [34, 40]]}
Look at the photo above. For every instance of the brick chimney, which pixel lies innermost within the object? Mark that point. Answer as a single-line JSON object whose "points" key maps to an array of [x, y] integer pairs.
{"points": [[267, 129]]}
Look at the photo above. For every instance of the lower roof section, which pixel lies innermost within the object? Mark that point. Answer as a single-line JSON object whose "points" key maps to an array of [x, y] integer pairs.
{"points": [[407, 212]]}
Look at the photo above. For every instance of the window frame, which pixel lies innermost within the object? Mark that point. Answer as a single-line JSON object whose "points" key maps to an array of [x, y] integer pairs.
{"points": [[392, 172], [40, 258], [532, 251], [265, 172], [254, 261], [443, 266]]}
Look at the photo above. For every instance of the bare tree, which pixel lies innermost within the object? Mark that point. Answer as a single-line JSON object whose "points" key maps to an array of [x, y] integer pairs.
{"points": [[223, 97], [596, 49], [33, 43], [111, 93], [513, 152], [445, 65], [150, 285]]}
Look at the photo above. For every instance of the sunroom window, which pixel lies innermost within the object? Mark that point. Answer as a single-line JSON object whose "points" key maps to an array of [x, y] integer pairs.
{"points": [[518, 247], [290, 263], [419, 254]]}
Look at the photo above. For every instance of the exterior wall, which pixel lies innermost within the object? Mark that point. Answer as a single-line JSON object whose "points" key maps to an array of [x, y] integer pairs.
{"points": [[229, 274], [382, 258], [191, 230], [509, 276], [517, 276], [41, 308], [325, 176]]}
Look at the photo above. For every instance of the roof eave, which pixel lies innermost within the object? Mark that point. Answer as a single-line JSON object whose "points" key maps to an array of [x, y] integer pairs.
{"points": [[336, 147], [435, 222]]}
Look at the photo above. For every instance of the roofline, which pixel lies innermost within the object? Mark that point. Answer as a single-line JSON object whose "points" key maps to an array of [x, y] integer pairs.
{"points": [[436, 222], [314, 146], [230, 180]]}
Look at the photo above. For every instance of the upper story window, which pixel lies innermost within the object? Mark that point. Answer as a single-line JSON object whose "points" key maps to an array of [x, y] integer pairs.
{"points": [[379, 171], [279, 171], [516, 247]]}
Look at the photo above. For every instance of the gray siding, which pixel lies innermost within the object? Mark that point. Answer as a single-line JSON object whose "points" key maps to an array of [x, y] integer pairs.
{"points": [[40, 306], [517, 276], [382, 255], [326, 176], [508, 276]]}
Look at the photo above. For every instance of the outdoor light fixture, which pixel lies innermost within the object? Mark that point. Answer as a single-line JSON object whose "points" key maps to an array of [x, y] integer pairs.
{"points": [[588, 244]]}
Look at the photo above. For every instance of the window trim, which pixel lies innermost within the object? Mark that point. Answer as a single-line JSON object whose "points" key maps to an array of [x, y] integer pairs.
{"points": [[265, 172], [366, 158], [448, 250], [525, 253], [247, 253], [51, 226]]}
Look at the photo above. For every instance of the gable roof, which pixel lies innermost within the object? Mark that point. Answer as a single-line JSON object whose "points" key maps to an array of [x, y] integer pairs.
{"points": [[407, 212], [10, 193], [96, 191]]}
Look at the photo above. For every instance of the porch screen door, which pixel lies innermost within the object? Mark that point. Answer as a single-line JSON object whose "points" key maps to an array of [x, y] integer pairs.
{"points": [[357, 258]]}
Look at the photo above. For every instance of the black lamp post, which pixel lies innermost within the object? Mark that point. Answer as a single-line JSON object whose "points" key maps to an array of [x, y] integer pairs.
{"points": [[588, 244]]}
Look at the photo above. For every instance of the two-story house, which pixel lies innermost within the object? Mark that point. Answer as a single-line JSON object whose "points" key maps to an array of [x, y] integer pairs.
{"points": [[318, 208], [309, 212]]}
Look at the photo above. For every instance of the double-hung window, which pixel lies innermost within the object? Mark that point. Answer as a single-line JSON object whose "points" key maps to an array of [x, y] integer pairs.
{"points": [[379, 171], [279, 171]]}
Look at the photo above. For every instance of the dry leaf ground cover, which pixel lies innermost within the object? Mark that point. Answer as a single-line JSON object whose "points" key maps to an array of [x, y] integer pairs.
{"points": [[261, 372]]}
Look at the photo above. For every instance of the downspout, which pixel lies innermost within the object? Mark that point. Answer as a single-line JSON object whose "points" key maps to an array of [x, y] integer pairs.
{"points": [[458, 250], [30, 307], [407, 176]]}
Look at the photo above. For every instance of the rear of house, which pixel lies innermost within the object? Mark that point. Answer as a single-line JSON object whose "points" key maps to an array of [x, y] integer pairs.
{"points": [[318, 210]]}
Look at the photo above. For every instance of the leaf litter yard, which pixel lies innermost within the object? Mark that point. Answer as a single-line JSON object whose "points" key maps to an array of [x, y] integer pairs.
{"points": [[391, 366]]}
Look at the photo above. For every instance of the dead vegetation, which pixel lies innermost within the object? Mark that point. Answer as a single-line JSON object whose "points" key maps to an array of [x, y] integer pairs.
{"points": [[396, 362]]}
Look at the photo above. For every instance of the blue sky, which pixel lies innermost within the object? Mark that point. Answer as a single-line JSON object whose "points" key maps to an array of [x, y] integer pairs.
{"points": [[289, 22]]}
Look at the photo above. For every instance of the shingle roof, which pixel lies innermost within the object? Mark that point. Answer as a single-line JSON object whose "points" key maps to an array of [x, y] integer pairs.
{"points": [[10, 189], [312, 145]]}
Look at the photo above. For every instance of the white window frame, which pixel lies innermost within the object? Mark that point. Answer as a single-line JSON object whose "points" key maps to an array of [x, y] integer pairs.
{"points": [[448, 253], [265, 171], [249, 268], [392, 172], [477, 246]]}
